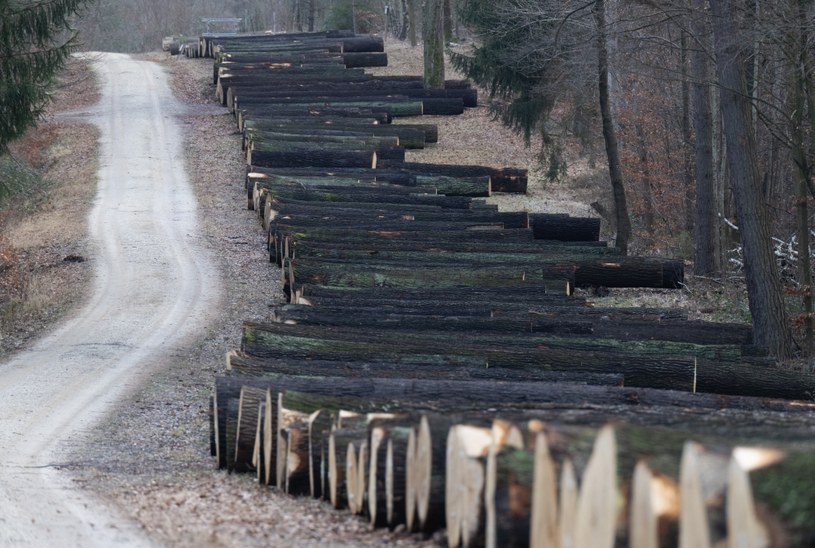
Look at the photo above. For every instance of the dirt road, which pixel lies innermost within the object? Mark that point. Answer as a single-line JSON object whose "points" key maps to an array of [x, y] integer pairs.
{"points": [[154, 287]]}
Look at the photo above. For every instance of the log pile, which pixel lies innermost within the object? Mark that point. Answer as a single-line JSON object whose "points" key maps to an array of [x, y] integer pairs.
{"points": [[432, 369]]}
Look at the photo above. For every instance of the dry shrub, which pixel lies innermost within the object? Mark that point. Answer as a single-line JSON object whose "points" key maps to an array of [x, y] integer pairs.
{"points": [[12, 285], [10, 276]]}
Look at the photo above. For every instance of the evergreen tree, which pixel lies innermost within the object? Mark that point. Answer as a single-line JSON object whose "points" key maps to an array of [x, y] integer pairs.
{"points": [[36, 39], [518, 60], [532, 53]]}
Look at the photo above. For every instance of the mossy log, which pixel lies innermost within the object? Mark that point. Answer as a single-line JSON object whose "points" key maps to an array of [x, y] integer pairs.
{"points": [[695, 332], [644, 363], [408, 137], [301, 245], [467, 96], [510, 180], [423, 367], [295, 212], [614, 272], [346, 139], [395, 107]]}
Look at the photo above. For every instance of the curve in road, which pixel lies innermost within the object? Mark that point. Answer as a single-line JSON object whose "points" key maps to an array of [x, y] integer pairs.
{"points": [[154, 286]]}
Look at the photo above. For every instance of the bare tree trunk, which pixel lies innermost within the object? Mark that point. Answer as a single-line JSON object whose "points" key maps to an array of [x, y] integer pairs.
{"points": [[803, 171], [763, 281], [413, 22], [609, 134], [312, 9], [448, 21], [704, 259], [687, 137], [433, 31], [645, 185]]}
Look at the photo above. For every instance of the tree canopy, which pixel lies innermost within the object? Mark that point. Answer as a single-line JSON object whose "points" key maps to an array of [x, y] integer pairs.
{"points": [[36, 39]]}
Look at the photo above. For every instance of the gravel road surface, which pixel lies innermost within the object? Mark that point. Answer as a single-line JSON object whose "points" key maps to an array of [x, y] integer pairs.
{"points": [[153, 288]]}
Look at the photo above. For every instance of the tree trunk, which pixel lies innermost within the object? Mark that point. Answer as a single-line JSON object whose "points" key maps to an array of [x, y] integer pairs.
{"points": [[705, 252], [764, 288], [687, 138], [609, 133], [413, 22], [802, 170], [433, 31]]}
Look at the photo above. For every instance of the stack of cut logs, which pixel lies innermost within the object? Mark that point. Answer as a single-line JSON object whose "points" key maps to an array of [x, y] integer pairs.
{"points": [[432, 369]]}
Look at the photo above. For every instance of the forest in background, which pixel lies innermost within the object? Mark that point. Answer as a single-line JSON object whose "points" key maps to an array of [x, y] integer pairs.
{"points": [[657, 85], [662, 78]]}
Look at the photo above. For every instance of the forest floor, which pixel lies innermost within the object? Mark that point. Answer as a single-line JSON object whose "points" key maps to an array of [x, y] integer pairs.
{"points": [[151, 457]]}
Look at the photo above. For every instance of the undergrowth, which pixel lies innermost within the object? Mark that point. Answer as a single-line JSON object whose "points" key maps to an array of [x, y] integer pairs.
{"points": [[16, 179]]}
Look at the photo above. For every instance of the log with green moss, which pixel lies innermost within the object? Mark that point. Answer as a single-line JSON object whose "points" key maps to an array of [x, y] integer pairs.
{"points": [[433, 274], [395, 106], [558, 323], [406, 136], [422, 367], [347, 246], [659, 364], [512, 180], [295, 211], [329, 137]]}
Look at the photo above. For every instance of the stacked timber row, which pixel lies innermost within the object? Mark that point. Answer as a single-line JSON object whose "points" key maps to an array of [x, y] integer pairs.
{"points": [[431, 367]]}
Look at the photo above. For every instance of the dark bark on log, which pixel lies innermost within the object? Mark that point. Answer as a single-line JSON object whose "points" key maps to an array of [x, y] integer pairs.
{"points": [[338, 251], [438, 102], [564, 228], [296, 212], [313, 157], [395, 107], [376, 366], [449, 186], [410, 138], [365, 59], [631, 272], [316, 117], [440, 106], [653, 364], [313, 137], [230, 424], [476, 187], [336, 245], [376, 193], [503, 180], [317, 146], [383, 273], [212, 436], [696, 332], [497, 237]]}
